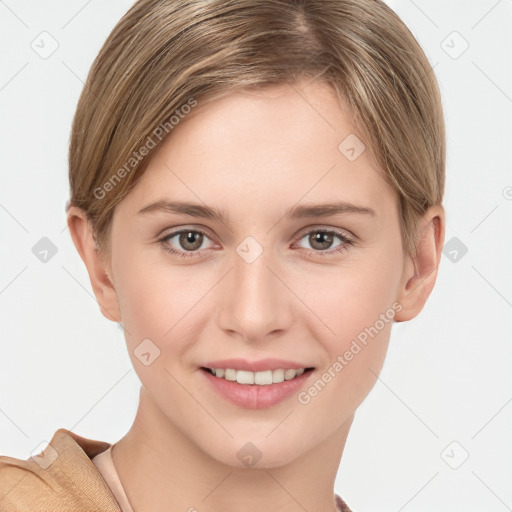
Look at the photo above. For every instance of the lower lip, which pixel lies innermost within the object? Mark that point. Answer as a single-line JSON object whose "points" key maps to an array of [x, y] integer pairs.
{"points": [[255, 396]]}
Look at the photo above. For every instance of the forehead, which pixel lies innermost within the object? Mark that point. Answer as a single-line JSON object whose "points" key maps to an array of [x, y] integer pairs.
{"points": [[255, 151]]}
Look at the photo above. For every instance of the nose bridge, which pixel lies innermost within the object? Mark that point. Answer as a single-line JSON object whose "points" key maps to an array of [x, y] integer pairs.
{"points": [[257, 303]]}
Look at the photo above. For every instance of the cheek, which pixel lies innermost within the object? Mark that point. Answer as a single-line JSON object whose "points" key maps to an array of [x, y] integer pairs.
{"points": [[351, 298], [359, 308], [154, 307], [147, 301], [358, 304], [158, 301]]}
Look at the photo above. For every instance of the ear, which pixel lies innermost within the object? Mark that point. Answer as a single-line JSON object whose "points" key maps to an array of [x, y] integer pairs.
{"points": [[420, 272], [96, 263]]}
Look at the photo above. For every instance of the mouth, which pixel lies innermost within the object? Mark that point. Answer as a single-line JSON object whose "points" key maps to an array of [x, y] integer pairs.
{"points": [[260, 378], [256, 390]]}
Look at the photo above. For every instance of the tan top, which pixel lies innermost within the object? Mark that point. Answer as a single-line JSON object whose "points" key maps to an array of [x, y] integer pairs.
{"points": [[64, 478]]}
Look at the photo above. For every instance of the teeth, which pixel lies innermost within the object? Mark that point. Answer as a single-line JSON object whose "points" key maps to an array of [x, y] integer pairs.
{"points": [[264, 378]]}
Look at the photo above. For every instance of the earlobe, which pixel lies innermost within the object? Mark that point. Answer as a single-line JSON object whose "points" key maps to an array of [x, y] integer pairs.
{"points": [[420, 272], [97, 268]]}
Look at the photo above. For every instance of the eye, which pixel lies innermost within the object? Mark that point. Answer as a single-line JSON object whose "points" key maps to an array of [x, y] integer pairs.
{"points": [[190, 241], [322, 239]]}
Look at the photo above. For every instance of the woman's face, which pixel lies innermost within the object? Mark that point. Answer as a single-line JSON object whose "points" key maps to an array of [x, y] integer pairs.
{"points": [[265, 282]]}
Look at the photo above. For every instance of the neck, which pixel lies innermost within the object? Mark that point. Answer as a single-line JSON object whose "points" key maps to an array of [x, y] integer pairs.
{"points": [[159, 465]]}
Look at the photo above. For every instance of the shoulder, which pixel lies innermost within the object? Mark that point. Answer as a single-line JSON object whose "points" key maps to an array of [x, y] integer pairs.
{"points": [[61, 477], [20, 478]]}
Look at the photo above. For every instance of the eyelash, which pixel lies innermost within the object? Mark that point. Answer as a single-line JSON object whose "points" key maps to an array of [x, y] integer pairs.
{"points": [[346, 242]]}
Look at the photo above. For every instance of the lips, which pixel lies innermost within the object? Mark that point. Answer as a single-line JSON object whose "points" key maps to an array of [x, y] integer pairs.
{"points": [[254, 396]]}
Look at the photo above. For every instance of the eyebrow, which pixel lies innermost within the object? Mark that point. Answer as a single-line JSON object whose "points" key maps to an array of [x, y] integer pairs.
{"points": [[297, 212]]}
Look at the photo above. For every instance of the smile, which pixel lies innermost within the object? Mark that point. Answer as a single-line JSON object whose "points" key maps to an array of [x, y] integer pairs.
{"points": [[256, 390]]}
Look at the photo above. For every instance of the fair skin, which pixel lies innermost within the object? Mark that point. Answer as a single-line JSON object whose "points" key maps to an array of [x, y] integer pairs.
{"points": [[253, 156]]}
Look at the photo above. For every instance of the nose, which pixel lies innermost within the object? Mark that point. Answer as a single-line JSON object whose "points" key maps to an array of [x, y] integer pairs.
{"points": [[256, 303]]}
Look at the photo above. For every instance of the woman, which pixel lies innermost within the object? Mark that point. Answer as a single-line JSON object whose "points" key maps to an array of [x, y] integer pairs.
{"points": [[256, 193]]}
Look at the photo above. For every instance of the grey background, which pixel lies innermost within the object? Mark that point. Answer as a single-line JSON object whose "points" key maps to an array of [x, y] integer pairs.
{"points": [[445, 390]]}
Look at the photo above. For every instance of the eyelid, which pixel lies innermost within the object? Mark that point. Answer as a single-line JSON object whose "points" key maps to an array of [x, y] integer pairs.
{"points": [[319, 227], [177, 229]]}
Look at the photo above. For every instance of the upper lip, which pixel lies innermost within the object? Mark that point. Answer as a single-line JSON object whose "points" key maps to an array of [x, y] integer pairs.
{"points": [[255, 366]]}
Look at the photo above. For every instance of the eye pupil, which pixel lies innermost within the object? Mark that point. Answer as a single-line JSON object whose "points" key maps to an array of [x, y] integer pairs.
{"points": [[324, 239], [191, 237]]}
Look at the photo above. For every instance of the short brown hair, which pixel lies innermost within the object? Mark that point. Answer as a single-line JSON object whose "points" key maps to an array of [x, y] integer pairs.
{"points": [[163, 55]]}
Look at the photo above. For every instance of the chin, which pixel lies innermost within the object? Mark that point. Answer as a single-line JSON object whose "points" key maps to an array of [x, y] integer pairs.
{"points": [[258, 453]]}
